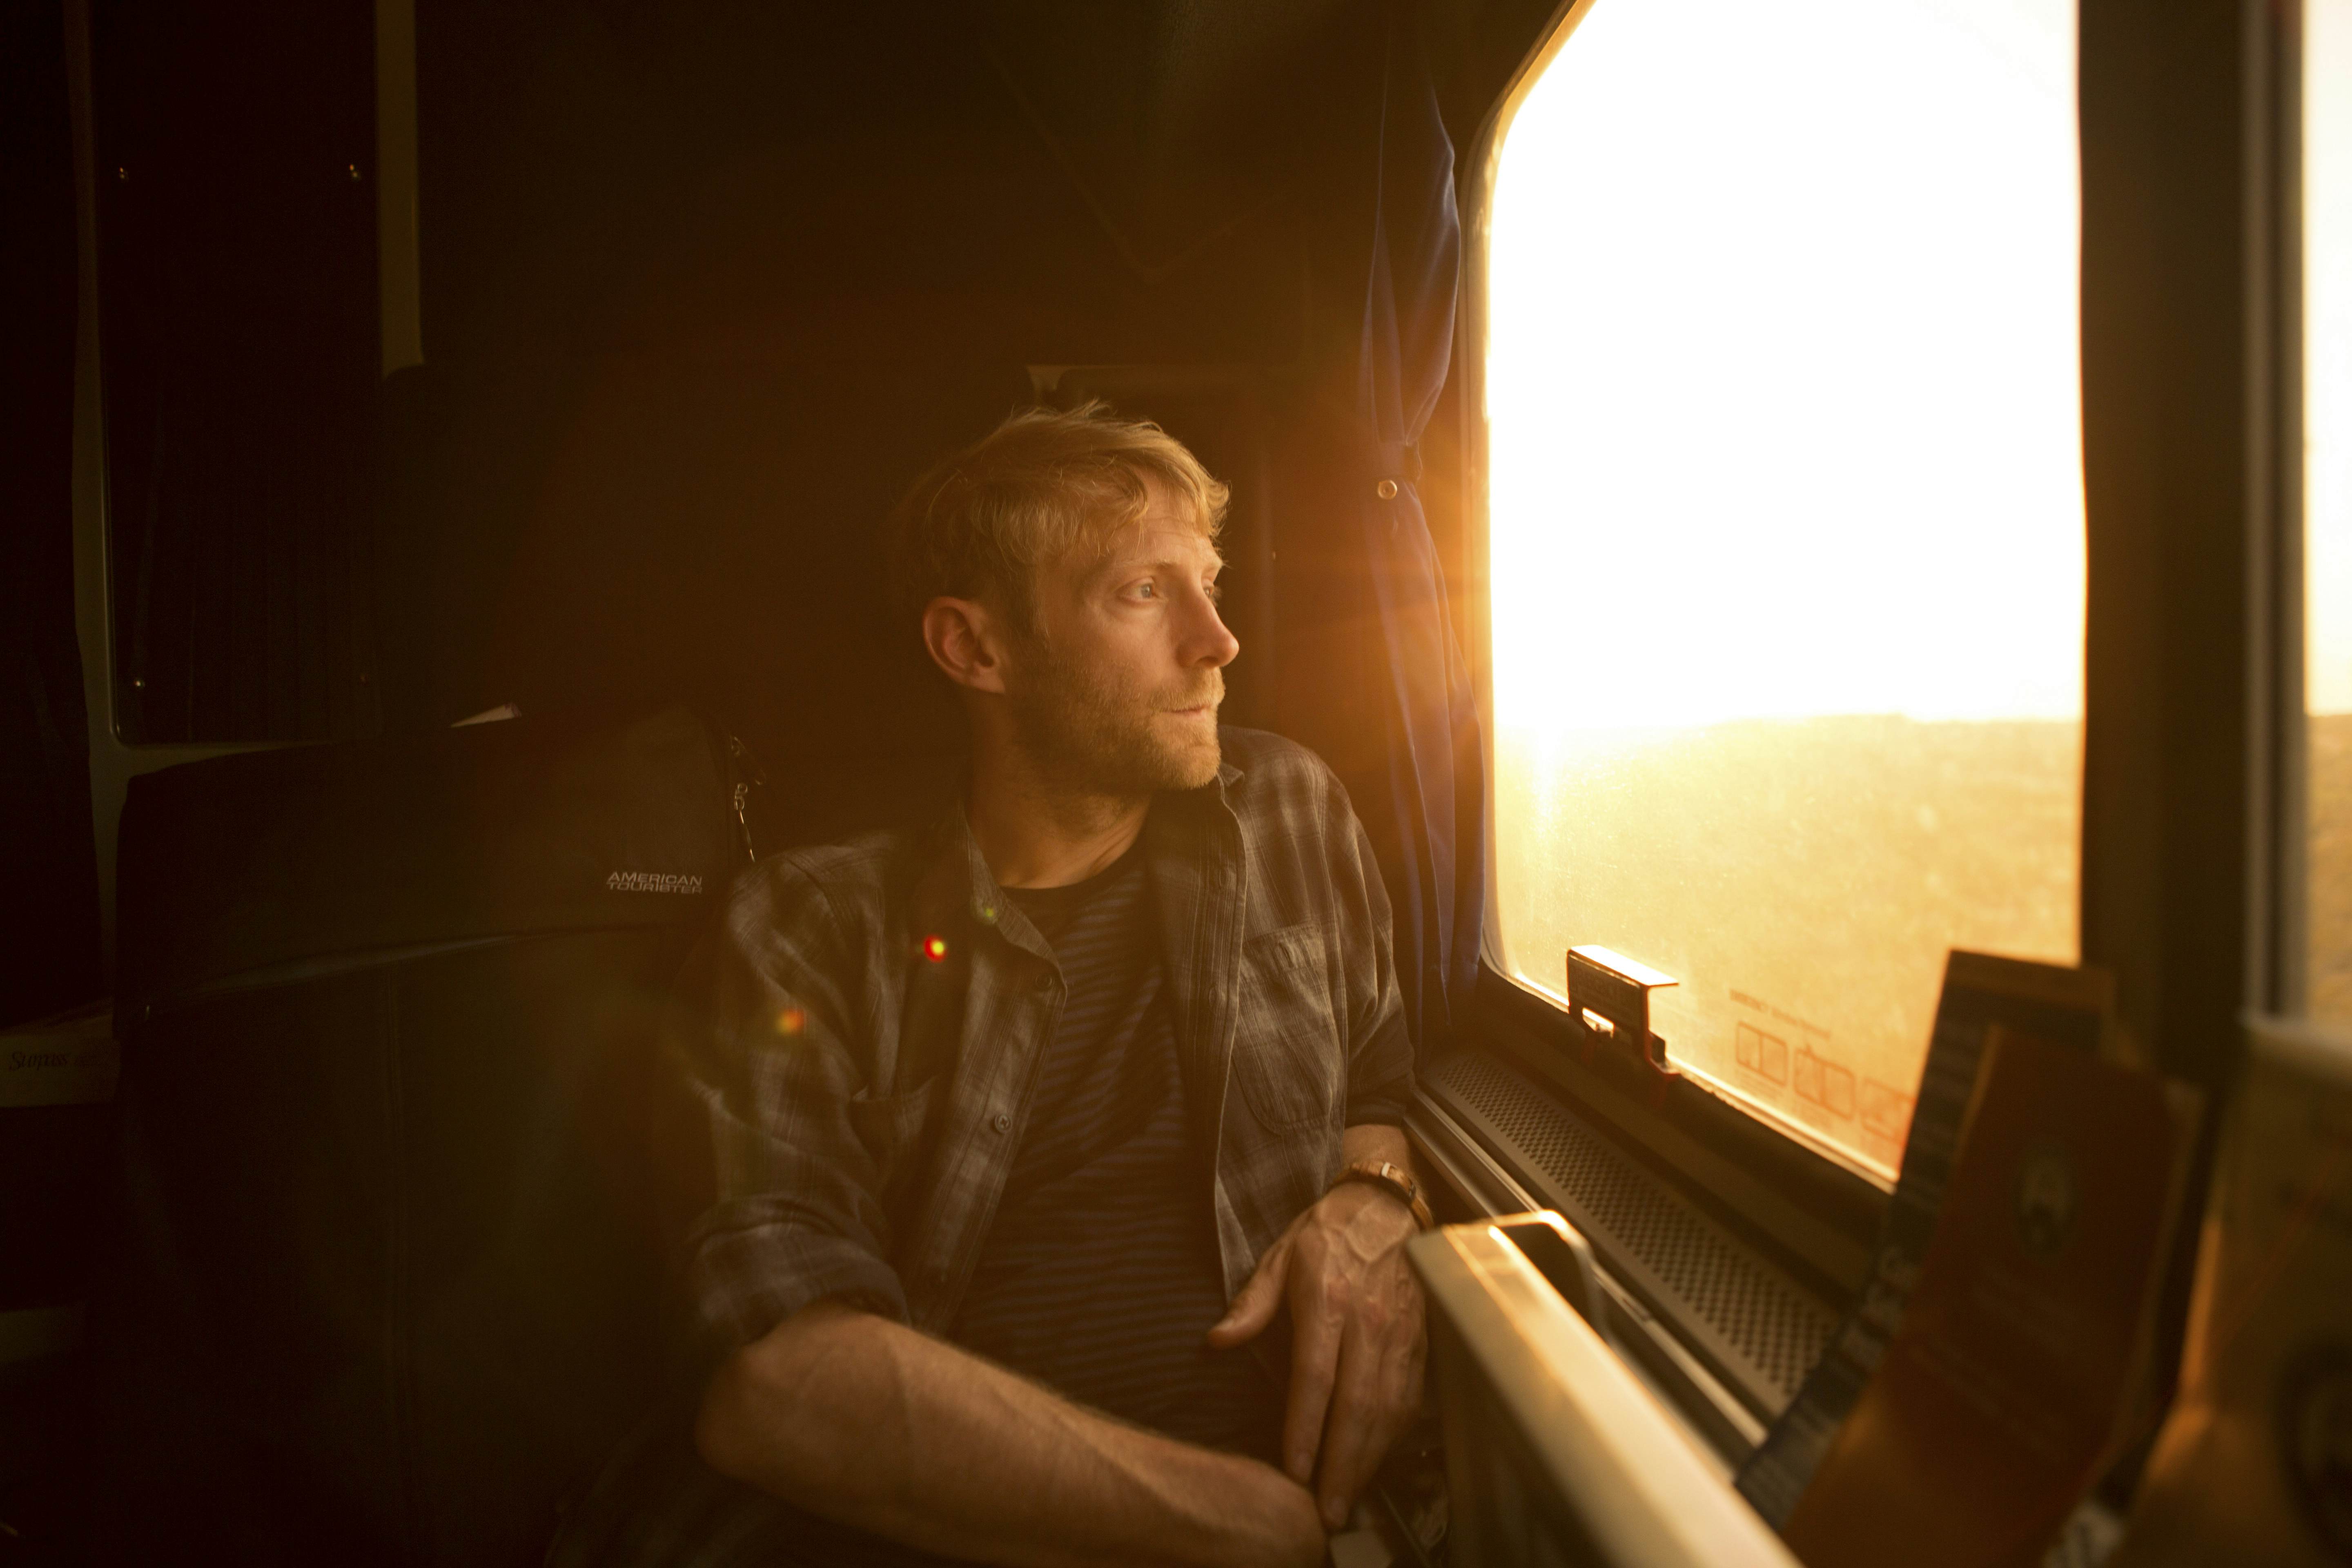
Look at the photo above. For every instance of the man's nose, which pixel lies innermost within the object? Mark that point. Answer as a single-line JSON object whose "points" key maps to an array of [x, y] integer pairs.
{"points": [[1208, 641]]}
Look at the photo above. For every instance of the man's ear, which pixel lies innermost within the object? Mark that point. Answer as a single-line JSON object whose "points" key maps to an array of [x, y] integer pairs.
{"points": [[965, 642]]}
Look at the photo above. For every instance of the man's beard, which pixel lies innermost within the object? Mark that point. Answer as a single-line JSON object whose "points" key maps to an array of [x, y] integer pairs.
{"points": [[1093, 733]]}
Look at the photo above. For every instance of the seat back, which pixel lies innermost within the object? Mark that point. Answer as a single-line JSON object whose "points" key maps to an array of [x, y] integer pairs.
{"points": [[389, 1272]]}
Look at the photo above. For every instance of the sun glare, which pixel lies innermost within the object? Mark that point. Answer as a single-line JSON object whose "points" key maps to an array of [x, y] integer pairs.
{"points": [[1786, 413]]}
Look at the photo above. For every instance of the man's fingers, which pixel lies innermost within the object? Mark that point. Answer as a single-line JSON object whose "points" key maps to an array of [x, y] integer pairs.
{"points": [[1259, 1299], [1374, 1398], [1314, 1362], [1356, 1434]]}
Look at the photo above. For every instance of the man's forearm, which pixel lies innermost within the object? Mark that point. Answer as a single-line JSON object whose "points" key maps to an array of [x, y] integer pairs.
{"points": [[867, 1422]]}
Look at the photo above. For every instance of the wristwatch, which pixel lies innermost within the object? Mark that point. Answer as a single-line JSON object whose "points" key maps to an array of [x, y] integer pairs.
{"points": [[1395, 1180]]}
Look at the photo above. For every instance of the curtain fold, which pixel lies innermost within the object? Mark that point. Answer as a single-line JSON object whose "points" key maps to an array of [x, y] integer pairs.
{"points": [[1427, 812]]}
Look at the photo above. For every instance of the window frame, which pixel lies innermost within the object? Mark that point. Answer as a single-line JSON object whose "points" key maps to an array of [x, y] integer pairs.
{"points": [[2193, 496]]}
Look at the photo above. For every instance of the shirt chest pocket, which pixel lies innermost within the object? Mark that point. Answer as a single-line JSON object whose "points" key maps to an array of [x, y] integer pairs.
{"points": [[893, 1131], [1287, 1051]]}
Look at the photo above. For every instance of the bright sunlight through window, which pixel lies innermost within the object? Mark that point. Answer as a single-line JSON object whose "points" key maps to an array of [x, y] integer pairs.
{"points": [[1786, 526], [2328, 496]]}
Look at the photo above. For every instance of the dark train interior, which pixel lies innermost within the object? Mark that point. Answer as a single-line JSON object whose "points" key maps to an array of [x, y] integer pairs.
{"points": [[1780, 500]]}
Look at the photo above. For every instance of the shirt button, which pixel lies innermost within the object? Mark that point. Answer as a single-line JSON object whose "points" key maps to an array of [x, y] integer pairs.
{"points": [[1001, 1121]]}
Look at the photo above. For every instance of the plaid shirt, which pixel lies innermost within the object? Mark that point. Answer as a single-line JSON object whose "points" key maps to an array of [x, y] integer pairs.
{"points": [[878, 1012]]}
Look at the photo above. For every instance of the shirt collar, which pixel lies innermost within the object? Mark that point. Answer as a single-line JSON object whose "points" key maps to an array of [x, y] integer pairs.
{"points": [[958, 892]]}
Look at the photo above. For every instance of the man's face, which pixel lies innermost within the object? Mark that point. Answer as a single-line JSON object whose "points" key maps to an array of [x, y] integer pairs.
{"points": [[1116, 690]]}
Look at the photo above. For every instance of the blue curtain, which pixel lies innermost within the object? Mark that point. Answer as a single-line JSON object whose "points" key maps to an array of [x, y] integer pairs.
{"points": [[1426, 813]]}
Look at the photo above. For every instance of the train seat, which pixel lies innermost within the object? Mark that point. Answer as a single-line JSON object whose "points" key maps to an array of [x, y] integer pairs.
{"points": [[387, 1278]]}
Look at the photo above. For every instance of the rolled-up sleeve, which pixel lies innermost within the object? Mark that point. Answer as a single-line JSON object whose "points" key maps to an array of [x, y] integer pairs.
{"points": [[794, 1212]]}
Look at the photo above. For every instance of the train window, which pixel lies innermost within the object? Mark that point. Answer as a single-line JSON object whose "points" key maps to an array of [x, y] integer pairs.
{"points": [[1785, 534], [2327, 500]]}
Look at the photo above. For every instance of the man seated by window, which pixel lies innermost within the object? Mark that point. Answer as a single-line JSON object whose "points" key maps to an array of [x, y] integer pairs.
{"points": [[1034, 1132]]}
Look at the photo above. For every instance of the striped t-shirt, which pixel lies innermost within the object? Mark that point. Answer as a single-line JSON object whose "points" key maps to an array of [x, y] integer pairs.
{"points": [[1100, 1275]]}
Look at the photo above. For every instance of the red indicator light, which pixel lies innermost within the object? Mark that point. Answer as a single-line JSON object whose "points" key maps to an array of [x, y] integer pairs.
{"points": [[791, 1021], [935, 948]]}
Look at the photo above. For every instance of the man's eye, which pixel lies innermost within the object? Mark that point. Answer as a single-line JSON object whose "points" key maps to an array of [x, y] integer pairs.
{"points": [[1216, 592], [1146, 590]]}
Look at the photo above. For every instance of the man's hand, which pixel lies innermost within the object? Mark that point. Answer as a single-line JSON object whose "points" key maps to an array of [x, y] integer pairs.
{"points": [[1357, 1341]]}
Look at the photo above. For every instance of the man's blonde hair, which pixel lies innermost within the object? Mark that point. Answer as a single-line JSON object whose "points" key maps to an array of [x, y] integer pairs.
{"points": [[1043, 483]]}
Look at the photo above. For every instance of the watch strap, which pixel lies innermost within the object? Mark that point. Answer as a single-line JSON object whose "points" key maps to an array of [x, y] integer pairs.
{"points": [[1395, 1180]]}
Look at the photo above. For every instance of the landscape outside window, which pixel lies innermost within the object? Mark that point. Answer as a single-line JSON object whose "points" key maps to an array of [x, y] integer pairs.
{"points": [[1786, 526], [2327, 498]]}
